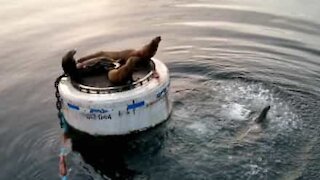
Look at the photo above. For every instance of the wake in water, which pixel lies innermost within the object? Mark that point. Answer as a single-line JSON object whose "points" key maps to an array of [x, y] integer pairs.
{"points": [[256, 124], [234, 112]]}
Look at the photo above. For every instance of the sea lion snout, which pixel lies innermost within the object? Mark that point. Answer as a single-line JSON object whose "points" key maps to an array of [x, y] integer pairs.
{"points": [[72, 52], [157, 39]]}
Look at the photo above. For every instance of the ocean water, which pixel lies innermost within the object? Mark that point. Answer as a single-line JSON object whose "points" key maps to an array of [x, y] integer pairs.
{"points": [[228, 59]]}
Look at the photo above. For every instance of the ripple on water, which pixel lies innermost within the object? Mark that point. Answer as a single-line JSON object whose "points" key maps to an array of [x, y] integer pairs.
{"points": [[36, 151], [216, 112], [227, 59]]}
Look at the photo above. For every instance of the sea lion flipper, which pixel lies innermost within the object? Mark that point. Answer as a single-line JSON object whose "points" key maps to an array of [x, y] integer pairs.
{"points": [[262, 115]]}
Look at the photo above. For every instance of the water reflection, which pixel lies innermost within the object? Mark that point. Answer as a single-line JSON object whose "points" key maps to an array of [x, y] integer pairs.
{"points": [[109, 155]]}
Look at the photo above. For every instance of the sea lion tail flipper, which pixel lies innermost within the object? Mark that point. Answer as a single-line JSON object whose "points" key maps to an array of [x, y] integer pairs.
{"points": [[69, 54], [262, 115]]}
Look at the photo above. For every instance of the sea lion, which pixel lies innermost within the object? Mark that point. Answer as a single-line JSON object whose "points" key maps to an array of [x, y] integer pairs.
{"points": [[144, 54], [72, 69], [123, 74], [262, 115], [256, 126], [69, 65]]}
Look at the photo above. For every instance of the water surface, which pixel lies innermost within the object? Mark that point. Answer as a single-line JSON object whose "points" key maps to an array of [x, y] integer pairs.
{"points": [[227, 59]]}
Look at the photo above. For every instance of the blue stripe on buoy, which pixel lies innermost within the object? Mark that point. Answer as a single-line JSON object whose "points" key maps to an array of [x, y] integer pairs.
{"points": [[71, 106], [135, 105], [98, 110]]}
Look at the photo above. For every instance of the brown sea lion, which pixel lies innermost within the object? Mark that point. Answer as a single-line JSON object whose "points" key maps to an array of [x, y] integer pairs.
{"points": [[123, 74], [257, 124], [145, 53]]}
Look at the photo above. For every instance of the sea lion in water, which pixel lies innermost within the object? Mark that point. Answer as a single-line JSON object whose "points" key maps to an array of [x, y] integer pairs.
{"points": [[257, 126], [123, 74], [144, 54], [262, 115]]}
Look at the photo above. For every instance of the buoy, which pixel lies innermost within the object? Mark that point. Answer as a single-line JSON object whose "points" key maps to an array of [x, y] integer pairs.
{"points": [[118, 110]]}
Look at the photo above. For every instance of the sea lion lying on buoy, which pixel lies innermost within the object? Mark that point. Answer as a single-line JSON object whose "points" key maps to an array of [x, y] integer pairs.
{"points": [[71, 68], [144, 54], [123, 74]]}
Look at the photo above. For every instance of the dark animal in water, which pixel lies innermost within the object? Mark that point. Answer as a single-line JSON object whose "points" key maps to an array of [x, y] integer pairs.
{"points": [[262, 115], [256, 127]]}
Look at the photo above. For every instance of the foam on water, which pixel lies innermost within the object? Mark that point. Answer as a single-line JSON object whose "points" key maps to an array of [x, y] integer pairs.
{"points": [[198, 127], [235, 111], [244, 101]]}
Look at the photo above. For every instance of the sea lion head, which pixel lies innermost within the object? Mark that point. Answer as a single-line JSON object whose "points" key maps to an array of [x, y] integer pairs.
{"points": [[69, 64], [150, 49]]}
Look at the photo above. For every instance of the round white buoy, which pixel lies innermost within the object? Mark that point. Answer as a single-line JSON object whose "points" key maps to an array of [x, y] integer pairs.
{"points": [[118, 110]]}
